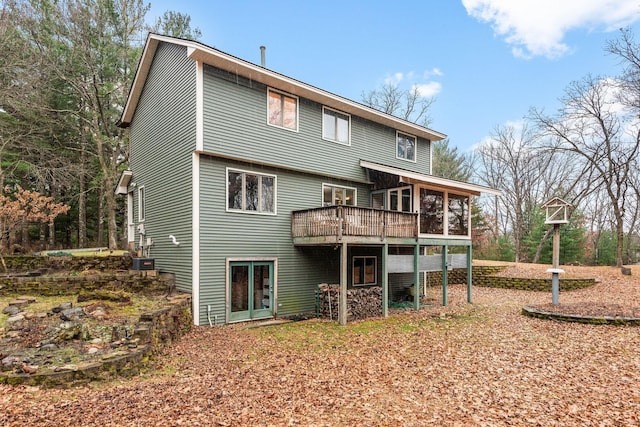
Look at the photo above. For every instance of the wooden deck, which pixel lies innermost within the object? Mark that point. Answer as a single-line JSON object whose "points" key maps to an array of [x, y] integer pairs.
{"points": [[334, 224]]}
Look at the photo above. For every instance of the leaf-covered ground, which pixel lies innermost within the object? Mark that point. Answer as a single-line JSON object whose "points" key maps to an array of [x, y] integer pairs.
{"points": [[481, 364]]}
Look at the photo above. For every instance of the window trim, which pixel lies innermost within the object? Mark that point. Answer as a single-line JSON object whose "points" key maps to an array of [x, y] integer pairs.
{"points": [[244, 211], [344, 187], [288, 95], [375, 270], [348, 142], [142, 203], [415, 147]]}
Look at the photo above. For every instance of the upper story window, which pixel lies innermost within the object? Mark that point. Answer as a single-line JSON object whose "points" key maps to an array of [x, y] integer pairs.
{"points": [[251, 192], [405, 146], [282, 110], [333, 195], [141, 204], [336, 126]]}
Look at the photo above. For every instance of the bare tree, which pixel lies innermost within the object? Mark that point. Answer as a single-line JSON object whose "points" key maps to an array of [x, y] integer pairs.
{"points": [[409, 105], [590, 125]]}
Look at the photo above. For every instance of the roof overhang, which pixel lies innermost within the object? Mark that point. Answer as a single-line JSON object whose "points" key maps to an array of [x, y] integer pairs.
{"points": [[415, 177], [123, 182], [216, 58]]}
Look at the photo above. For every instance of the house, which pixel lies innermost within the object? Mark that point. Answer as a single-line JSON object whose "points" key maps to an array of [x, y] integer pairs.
{"points": [[253, 187]]}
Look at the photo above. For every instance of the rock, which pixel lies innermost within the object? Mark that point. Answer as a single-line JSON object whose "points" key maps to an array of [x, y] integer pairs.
{"points": [[9, 362], [71, 314], [93, 350], [68, 333], [62, 307], [20, 302], [49, 347], [96, 341], [15, 321], [11, 310], [29, 299], [29, 369], [626, 271]]}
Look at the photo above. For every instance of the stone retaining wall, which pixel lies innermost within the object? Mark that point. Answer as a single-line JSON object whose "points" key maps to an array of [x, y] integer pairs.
{"points": [[69, 263], [149, 282], [525, 284], [152, 333]]}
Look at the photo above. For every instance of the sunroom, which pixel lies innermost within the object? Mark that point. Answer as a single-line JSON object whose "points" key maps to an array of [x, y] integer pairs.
{"points": [[410, 214]]}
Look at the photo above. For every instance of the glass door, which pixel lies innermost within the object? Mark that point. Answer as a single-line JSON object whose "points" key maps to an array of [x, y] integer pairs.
{"points": [[251, 290]]}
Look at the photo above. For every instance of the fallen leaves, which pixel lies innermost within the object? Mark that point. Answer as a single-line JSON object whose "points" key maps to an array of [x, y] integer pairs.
{"points": [[478, 364]]}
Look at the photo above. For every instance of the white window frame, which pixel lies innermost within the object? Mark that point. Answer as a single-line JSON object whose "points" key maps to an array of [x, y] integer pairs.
{"points": [[415, 147], [288, 95], [344, 187], [142, 203], [375, 269], [244, 210], [348, 141]]}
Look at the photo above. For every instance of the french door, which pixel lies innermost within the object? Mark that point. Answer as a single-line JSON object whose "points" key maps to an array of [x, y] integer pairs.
{"points": [[250, 290]]}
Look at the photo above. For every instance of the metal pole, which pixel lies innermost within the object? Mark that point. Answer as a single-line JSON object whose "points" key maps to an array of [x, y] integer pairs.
{"points": [[555, 279]]}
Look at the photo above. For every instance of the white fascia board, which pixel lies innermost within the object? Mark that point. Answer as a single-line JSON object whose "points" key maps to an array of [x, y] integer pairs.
{"points": [[432, 180]]}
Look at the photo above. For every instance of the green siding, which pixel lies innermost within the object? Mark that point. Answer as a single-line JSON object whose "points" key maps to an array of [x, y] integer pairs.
{"points": [[235, 116], [163, 133], [229, 234]]}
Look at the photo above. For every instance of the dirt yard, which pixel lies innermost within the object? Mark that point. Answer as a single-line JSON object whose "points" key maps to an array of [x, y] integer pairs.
{"points": [[480, 364]]}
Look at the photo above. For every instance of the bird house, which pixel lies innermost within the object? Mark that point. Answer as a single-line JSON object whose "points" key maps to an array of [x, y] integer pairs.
{"points": [[558, 211]]}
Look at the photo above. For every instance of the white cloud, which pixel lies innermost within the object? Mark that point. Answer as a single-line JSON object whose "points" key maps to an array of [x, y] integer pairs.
{"points": [[395, 78], [433, 72], [537, 27], [428, 89]]}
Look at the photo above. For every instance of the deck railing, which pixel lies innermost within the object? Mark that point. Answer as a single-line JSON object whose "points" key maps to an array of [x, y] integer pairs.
{"points": [[353, 221]]}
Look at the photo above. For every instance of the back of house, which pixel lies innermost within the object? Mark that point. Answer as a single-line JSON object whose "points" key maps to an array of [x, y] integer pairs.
{"points": [[253, 187]]}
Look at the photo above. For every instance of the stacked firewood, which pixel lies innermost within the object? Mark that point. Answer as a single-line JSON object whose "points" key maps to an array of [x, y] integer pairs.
{"points": [[362, 303]]}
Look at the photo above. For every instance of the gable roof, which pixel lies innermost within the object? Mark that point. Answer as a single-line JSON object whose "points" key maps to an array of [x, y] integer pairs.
{"points": [[214, 57]]}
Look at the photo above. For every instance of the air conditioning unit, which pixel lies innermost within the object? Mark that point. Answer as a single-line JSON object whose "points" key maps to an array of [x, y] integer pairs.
{"points": [[143, 264]]}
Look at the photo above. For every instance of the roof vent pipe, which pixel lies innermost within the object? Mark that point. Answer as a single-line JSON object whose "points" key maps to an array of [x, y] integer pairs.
{"points": [[262, 56]]}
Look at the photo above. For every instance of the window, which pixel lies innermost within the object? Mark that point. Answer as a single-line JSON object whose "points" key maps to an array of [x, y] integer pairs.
{"points": [[405, 147], [364, 270], [335, 126], [282, 110], [458, 214], [400, 199], [251, 192], [431, 211], [333, 196], [141, 204]]}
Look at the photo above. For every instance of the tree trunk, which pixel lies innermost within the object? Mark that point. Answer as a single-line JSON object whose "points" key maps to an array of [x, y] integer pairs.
{"points": [[100, 225], [536, 258], [112, 227]]}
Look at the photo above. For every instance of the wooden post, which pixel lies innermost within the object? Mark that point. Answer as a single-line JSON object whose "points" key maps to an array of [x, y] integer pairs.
{"points": [[445, 250], [385, 281], [342, 304], [416, 277], [469, 273]]}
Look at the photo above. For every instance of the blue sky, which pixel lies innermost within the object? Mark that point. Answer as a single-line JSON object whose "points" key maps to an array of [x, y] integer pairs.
{"points": [[485, 61]]}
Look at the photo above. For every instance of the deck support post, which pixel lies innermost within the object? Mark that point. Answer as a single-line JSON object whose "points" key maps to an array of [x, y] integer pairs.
{"points": [[342, 301], [416, 276], [445, 278], [385, 281], [469, 273]]}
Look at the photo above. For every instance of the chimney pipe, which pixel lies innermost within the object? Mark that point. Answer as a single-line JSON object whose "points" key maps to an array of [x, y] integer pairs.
{"points": [[262, 56]]}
